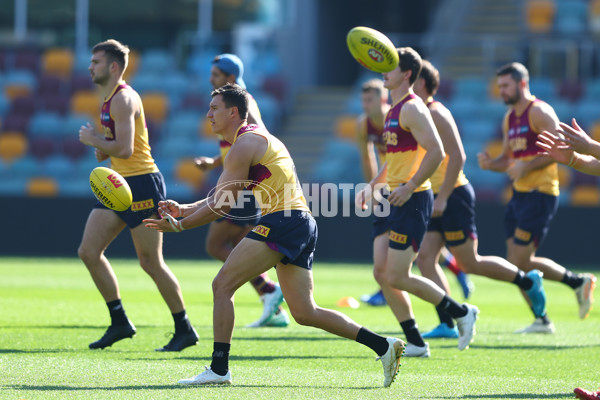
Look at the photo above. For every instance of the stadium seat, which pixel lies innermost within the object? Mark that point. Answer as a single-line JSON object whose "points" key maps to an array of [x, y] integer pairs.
{"points": [[185, 124], [540, 15], [86, 102], [27, 59], [24, 106], [565, 176], [43, 147], [50, 84], [594, 19], [187, 172], [157, 61], [206, 129], [542, 88], [58, 61], [571, 90], [15, 122], [81, 82], [57, 103], [4, 105], [156, 106], [275, 85], [346, 127], [132, 65], [571, 17], [585, 196], [13, 145], [45, 124], [42, 187], [148, 83], [72, 148], [58, 166]]}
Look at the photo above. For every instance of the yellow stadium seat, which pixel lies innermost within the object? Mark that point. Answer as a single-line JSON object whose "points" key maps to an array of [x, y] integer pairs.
{"points": [[595, 131], [58, 61], [585, 196], [187, 172], [493, 89], [345, 127], [132, 65], [13, 90], [206, 128], [42, 187], [156, 106], [13, 145], [540, 15], [86, 102]]}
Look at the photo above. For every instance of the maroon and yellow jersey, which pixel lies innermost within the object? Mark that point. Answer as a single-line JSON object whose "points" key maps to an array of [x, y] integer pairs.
{"points": [[141, 161], [273, 179], [522, 136], [437, 179], [403, 153]]}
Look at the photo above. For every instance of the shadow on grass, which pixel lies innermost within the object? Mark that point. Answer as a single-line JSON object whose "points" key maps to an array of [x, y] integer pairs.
{"points": [[513, 396], [44, 388], [251, 358]]}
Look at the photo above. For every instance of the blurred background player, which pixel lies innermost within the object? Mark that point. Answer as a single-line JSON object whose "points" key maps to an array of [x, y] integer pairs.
{"points": [[413, 153], [226, 232], [534, 179], [124, 139], [374, 100], [452, 222]]}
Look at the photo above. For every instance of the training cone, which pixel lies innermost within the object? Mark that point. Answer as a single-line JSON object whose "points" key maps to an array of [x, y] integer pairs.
{"points": [[348, 301]]}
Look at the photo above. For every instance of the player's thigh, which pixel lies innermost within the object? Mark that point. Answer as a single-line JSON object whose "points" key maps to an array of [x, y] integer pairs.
{"points": [[148, 244], [380, 251], [399, 263], [101, 228], [297, 286], [466, 253], [247, 260]]}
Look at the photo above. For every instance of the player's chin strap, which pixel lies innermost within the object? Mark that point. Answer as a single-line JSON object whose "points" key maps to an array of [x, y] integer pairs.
{"points": [[175, 224]]}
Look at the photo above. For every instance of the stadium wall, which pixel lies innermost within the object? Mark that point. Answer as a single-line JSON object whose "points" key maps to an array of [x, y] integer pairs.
{"points": [[53, 227]]}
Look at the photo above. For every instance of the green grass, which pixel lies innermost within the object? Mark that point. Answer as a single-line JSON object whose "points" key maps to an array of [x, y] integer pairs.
{"points": [[50, 311]]}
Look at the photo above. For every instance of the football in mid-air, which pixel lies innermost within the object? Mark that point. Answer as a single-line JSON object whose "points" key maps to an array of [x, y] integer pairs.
{"points": [[110, 188], [372, 49]]}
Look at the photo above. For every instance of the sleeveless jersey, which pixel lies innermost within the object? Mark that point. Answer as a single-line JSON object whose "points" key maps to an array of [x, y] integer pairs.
{"points": [[224, 145], [403, 153], [521, 139], [437, 179], [273, 179], [375, 136], [141, 161]]}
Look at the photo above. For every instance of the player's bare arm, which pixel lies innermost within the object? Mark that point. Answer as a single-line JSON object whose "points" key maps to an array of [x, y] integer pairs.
{"points": [[124, 109], [504, 160], [366, 148], [448, 131]]}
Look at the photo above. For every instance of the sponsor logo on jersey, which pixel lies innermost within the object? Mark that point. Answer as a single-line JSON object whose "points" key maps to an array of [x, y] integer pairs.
{"points": [[142, 205], [398, 237], [454, 235]]}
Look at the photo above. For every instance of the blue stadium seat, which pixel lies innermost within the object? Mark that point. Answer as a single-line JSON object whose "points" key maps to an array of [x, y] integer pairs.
{"points": [[543, 88], [4, 104], [147, 81], [157, 61], [571, 17], [185, 124], [475, 89], [21, 77], [58, 167], [46, 124], [73, 122]]}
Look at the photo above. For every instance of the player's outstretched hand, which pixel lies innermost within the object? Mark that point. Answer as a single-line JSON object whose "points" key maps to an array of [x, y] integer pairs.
{"points": [[576, 138], [170, 207], [166, 224], [554, 147]]}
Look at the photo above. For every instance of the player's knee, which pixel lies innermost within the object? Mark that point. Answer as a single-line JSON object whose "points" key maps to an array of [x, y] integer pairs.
{"points": [[379, 275], [87, 255], [302, 316]]}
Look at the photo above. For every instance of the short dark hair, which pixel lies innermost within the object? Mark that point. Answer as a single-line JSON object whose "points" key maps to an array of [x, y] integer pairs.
{"points": [[115, 52], [234, 96], [374, 85], [516, 70], [431, 76], [410, 60]]}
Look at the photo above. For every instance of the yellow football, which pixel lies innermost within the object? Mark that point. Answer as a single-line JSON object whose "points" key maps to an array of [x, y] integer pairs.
{"points": [[372, 49], [110, 188]]}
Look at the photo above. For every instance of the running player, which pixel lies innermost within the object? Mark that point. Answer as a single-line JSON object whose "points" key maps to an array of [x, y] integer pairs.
{"points": [[413, 152], [286, 235], [453, 218], [535, 185], [226, 232], [374, 99], [124, 139]]}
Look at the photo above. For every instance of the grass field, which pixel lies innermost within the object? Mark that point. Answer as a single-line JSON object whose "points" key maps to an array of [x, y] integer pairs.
{"points": [[50, 311]]}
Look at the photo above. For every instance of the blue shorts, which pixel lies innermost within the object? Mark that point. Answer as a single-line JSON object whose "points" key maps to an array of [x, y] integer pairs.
{"points": [[407, 224], [295, 236], [528, 216], [147, 191], [247, 214], [457, 224]]}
